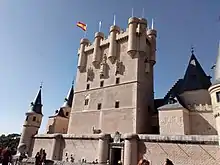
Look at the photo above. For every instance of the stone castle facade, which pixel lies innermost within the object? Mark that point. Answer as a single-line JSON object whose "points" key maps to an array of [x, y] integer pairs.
{"points": [[110, 114]]}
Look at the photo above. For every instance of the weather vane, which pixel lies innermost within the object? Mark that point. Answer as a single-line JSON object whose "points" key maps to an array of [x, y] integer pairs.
{"points": [[192, 49], [41, 84]]}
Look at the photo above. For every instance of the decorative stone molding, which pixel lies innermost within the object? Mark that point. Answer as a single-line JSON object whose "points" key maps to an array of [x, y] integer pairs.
{"points": [[104, 136], [130, 136], [90, 74], [147, 65], [169, 120], [103, 68], [117, 137], [119, 66], [200, 107], [96, 131], [48, 136], [182, 139]]}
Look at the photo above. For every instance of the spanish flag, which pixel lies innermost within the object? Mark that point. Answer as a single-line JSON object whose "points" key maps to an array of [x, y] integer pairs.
{"points": [[82, 26]]}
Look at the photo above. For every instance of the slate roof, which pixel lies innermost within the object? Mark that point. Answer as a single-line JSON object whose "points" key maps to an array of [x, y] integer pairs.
{"points": [[69, 99], [67, 103], [194, 79], [36, 105], [59, 113]]}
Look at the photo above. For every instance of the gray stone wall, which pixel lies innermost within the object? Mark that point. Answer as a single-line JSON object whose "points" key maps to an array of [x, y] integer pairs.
{"points": [[182, 150]]}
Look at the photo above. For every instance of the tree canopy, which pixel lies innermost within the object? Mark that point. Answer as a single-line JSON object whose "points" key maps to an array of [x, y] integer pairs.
{"points": [[11, 141]]}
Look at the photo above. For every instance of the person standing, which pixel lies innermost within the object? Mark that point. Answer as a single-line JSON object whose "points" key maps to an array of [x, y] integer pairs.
{"points": [[6, 156], [37, 158], [43, 157], [143, 162], [168, 162]]}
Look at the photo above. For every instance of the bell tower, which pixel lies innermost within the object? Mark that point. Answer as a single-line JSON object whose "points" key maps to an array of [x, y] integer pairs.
{"points": [[31, 125]]}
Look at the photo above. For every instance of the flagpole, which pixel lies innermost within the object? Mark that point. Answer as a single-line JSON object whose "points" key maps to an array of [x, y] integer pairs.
{"points": [[143, 13], [85, 32], [100, 25], [152, 24], [132, 12], [114, 20]]}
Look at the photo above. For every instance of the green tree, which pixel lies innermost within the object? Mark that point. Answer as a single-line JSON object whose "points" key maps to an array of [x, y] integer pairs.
{"points": [[11, 141]]}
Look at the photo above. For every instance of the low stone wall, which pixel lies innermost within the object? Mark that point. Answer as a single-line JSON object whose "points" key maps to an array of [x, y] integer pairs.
{"points": [[182, 150], [31, 161], [83, 146], [58, 146]]}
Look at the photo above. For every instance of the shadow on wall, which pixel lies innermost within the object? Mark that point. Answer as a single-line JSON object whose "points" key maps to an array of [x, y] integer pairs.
{"points": [[62, 146], [51, 128], [30, 153], [142, 150], [200, 126]]}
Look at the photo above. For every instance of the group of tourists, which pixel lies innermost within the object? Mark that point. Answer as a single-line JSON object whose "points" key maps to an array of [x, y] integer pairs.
{"points": [[40, 157], [6, 156], [146, 162]]}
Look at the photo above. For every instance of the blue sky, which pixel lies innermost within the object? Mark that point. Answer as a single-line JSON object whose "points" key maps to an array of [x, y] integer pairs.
{"points": [[39, 41]]}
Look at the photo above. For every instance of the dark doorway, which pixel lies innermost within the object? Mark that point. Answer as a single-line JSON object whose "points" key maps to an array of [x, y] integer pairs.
{"points": [[115, 156]]}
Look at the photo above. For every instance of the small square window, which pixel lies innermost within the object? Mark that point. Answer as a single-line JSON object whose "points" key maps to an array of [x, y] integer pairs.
{"points": [[34, 118], [117, 81], [101, 83], [67, 113], [117, 104], [99, 106], [218, 96], [87, 86], [86, 101]]}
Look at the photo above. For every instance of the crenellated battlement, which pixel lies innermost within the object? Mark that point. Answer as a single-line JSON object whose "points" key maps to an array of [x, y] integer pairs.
{"points": [[138, 37], [119, 37], [202, 108]]}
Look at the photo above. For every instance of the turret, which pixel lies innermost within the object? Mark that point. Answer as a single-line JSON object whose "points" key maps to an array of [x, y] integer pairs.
{"points": [[152, 35], [114, 30], [142, 33], [214, 91], [82, 56], [97, 50], [68, 102], [31, 125], [132, 36]]}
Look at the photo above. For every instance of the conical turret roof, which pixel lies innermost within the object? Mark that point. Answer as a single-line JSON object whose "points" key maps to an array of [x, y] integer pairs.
{"points": [[59, 113], [195, 78], [69, 99], [36, 105]]}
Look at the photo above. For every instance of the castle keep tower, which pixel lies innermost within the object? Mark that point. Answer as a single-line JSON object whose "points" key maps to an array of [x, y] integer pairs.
{"points": [[114, 82], [215, 93], [31, 125]]}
